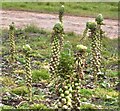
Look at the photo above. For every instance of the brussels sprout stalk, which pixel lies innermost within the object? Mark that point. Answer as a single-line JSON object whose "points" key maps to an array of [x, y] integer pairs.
{"points": [[80, 60], [12, 42], [84, 34], [61, 13], [65, 95], [94, 47], [76, 85], [65, 73], [99, 19], [55, 39], [27, 52]]}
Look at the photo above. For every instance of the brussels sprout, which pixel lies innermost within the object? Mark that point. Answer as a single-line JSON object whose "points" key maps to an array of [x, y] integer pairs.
{"points": [[56, 106], [70, 89], [61, 10], [65, 107], [68, 98], [12, 27], [66, 87], [58, 27], [69, 103], [69, 85], [63, 100], [70, 95], [66, 92], [99, 19], [91, 25], [62, 95], [72, 83], [59, 104], [27, 48], [78, 87], [76, 84], [81, 47]]}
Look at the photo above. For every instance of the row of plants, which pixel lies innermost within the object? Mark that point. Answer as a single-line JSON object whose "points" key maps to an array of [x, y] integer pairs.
{"points": [[66, 66]]}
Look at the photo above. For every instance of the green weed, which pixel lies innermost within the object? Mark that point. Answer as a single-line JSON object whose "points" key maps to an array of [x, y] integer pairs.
{"points": [[38, 75], [7, 81], [21, 90]]}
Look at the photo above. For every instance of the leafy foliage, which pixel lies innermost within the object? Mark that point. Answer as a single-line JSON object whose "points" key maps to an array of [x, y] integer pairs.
{"points": [[21, 90], [8, 81], [38, 75], [66, 65]]}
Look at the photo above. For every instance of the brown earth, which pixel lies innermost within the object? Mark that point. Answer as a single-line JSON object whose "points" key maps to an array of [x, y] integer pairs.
{"points": [[46, 21]]}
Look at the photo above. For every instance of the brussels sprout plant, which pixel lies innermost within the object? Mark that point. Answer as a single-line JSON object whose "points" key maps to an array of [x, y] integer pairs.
{"points": [[12, 42], [27, 51]]}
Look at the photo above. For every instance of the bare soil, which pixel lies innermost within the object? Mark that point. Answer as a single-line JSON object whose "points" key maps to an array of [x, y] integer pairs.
{"points": [[46, 21]]}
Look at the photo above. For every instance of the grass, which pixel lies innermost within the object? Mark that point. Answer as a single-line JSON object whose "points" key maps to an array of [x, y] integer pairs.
{"points": [[109, 10], [101, 92], [33, 29]]}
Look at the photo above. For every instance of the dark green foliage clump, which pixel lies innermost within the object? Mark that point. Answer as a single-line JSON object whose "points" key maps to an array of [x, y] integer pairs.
{"points": [[21, 90], [38, 75], [66, 65]]}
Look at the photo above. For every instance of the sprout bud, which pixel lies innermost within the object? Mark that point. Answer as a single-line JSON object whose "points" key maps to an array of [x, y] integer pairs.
{"points": [[66, 92], [91, 25], [99, 19]]}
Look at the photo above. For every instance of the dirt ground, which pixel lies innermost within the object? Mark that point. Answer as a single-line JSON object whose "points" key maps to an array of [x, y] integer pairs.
{"points": [[46, 21]]}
